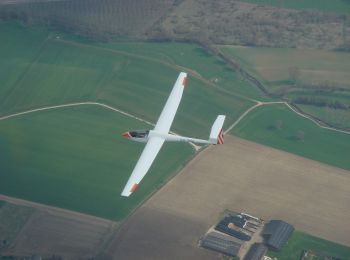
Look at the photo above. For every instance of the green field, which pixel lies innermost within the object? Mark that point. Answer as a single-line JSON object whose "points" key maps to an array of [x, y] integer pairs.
{"points": [[75, 158], [197, 59], [300, 241], [337, 6], [272, 64], [336, 117], [318, 144], [323, 76], [64, 72]]}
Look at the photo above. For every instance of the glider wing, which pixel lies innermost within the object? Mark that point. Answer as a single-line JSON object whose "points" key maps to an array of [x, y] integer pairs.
{"points": [[147, 157], [167, 116]]}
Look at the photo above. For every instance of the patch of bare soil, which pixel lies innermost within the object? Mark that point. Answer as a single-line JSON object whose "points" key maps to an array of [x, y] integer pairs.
{"points": [[53, 231], [244, 177]]}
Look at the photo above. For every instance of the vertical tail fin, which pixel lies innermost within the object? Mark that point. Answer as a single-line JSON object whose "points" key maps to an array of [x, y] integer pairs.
{"points": [[217, 133]]}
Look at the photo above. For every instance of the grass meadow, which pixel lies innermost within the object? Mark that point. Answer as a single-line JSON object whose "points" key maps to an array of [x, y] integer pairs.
{"points": [[336, 117], [300, 241], [318, 144], [197, 59], [75, 158], [65, 72], [336, 6], [272, 64]]}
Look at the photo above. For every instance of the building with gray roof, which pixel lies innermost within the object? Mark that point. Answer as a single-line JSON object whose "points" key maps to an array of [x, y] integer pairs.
{"points": [[256, 252], [276, 234], [222, 243]]}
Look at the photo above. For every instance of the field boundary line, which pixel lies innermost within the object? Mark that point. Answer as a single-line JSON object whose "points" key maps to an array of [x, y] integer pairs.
{"points": [[315, 121], [53, 209], [195, 147]]}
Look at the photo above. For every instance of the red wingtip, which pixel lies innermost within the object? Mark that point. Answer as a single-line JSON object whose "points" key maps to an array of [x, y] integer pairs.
{"points": [[133, 188], [184, 81], [126, 134]]}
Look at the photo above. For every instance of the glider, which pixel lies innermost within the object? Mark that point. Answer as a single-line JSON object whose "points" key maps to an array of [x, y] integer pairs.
{"points": [[155, 138]]}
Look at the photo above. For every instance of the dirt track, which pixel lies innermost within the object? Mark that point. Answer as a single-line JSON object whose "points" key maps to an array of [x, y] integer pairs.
{"points": [[240, 176]]}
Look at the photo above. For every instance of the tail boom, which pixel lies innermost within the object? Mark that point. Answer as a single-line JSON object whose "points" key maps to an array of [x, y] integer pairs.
{"points": [[216, 134]]}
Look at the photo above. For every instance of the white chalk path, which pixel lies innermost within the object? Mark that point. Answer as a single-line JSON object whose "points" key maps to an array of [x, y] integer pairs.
{"points": [[195, 147]]}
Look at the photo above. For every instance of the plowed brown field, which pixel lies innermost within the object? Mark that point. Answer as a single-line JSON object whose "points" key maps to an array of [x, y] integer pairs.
{"points": [[244, 177]]}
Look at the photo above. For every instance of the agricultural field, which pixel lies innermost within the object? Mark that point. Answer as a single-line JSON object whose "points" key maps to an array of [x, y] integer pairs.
{"points": [[65, 71], [38, 229], [315, 66], [300, 241], [240, 176], [79, 150], [336, 117], [194, 57], [75, 158], [336, 6], [12, 219], [46, 152], [223, 22], [277, 126], [100, 18], [316, 78]]}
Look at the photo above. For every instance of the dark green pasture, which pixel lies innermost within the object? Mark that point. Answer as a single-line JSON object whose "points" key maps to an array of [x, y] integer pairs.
{"points": [[75, 158]]}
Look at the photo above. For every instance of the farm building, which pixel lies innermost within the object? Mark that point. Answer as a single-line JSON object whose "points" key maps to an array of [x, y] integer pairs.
{"points": [[225, 227], [222, 243], [256, 252], [276, 234]]}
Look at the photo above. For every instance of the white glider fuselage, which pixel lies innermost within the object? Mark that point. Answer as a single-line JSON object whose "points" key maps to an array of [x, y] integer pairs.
{"points": [[143, 136]]}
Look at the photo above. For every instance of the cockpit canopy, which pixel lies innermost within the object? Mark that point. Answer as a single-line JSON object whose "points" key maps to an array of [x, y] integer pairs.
{"points": [[139, 133]]}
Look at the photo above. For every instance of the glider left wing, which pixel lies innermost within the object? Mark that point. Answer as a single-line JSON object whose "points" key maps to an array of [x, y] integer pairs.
{"points": [[147, 157], [167, 116]]}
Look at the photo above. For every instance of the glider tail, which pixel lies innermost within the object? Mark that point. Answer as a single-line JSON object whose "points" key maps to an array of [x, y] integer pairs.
{"points": [[217, 133]]}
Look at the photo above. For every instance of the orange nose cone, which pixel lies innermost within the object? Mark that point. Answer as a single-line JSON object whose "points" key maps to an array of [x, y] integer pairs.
{"points": [[126, 134]]}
